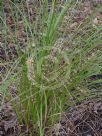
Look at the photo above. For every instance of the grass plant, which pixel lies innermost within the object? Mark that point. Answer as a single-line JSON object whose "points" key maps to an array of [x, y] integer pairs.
{"points": [[53, 63]]}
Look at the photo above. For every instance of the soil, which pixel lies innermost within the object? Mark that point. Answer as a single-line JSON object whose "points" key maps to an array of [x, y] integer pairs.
{"points": [[8, 121], [81, 120]]}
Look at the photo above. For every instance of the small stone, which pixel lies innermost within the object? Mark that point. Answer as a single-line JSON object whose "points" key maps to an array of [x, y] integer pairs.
{"points": [[95, 21]]}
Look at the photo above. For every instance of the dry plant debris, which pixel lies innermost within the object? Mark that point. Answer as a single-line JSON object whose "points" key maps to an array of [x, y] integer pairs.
{"points": [[81, 120]]}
